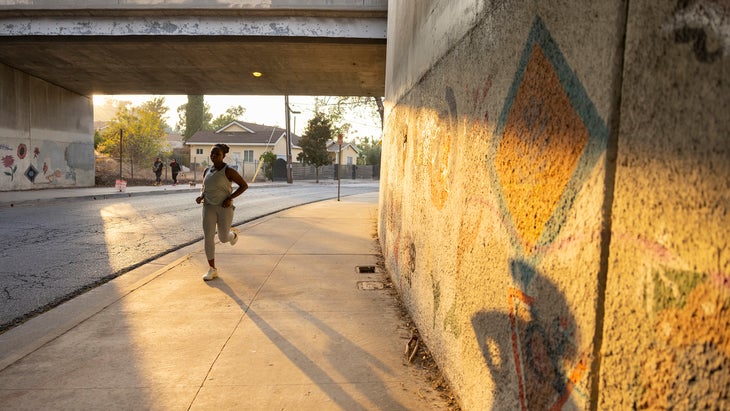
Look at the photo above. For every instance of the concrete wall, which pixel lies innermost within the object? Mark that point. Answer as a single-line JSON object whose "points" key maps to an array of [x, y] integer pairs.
{"points": [[46, 134], [359, 5], [555, 196]]}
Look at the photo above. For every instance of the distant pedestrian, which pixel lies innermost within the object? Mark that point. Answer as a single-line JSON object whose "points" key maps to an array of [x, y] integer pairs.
{"points": [[157, 168], [174, 169], [218, 207]]}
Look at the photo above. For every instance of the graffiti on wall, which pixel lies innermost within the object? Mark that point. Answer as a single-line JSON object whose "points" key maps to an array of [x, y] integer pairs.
{"points": [[17, 162], [689, 316], [703, 25], [691, 342], [546, 142], [549, 137]]}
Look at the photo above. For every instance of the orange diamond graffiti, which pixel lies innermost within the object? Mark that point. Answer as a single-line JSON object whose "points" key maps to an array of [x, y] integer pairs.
{"points": [[549, 137], [542, 142]]}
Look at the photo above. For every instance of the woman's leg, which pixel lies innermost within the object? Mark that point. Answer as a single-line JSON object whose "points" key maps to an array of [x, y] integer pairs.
{"points": [[225, 219], [210, 219]]}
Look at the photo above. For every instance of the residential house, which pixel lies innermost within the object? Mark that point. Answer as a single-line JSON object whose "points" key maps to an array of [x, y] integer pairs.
{"points": [[349, 156], [175, 141], [247, 142], [100, 125]]}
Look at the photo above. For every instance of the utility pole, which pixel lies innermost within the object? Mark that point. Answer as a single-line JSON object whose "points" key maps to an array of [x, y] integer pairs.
{"points": [[339, 161], [120, 185], [288, 110], [121, 176], [288, 141]]}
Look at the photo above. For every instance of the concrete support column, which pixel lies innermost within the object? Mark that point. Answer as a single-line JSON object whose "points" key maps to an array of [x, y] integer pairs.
{"points": [[46, 134]]}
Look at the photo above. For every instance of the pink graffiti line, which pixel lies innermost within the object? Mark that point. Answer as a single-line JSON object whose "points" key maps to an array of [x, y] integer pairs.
{"points": [[649, 248], [575, 238], [575, 374], [573, 378], [479, 95], [721, 279], [526, 299], [493, 210], [661, 252]]}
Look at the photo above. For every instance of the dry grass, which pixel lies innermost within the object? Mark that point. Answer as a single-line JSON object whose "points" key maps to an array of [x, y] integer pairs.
{"points": [[416, 351]]}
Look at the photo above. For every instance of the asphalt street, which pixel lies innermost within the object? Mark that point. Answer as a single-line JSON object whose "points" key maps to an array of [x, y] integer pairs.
{"points": [[55, 250]]}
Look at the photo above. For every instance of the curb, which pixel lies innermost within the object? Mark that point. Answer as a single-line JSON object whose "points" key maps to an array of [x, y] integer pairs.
{"points": [[106, 196], [92, 197]]}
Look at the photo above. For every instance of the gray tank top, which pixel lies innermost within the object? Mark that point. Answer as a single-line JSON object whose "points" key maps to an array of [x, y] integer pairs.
{"points": [[216, 186]]}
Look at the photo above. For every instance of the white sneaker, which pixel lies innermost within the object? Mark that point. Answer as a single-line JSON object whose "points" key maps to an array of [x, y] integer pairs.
{"points": [[211, 274], [234, 240]]}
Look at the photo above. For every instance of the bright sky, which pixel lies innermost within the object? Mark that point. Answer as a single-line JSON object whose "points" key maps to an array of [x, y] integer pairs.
{"points": [[265, 110]]}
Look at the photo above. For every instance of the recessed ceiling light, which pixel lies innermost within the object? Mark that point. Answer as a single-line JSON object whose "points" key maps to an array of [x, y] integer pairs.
{"points": [[257, 74]]}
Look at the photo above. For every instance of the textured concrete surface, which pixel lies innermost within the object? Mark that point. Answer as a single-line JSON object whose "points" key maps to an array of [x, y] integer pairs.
{"points": [[554, 199], [285, 326], [668, 288]]}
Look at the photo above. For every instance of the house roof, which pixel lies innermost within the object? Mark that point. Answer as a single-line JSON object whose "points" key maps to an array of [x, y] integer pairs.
{"points": [[175, 140], [251, 135], [174, 137], [332, 146], [100, 125]]}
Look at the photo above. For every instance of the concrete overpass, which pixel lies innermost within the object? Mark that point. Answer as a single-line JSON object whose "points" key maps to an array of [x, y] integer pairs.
{"points": [[312, 47]]}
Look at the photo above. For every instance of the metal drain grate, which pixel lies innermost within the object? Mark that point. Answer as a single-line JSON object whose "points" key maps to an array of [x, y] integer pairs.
{"points": [[370, 285]]}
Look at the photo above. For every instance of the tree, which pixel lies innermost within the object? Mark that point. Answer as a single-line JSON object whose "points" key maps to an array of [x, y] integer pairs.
{"points": [[369, 151], [337, 107], [194, 116], [97, 139], [334, 109], [231, 114], [314, 142], [143, 130], [381, 110], [268, 158], [157, 105]]}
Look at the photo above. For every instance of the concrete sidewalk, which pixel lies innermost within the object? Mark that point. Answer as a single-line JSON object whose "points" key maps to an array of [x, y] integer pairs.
{"points": [[290, 324]]}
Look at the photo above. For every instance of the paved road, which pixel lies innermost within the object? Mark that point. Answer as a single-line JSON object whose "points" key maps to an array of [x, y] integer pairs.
{"points": [[55, 250]]}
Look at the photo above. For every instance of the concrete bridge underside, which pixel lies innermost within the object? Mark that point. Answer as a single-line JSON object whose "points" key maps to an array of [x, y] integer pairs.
{"points": [[320, 48]]}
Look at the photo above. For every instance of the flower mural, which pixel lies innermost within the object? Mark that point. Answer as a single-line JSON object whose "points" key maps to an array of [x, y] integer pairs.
{"points": [[22, 151], [9, 162]]}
